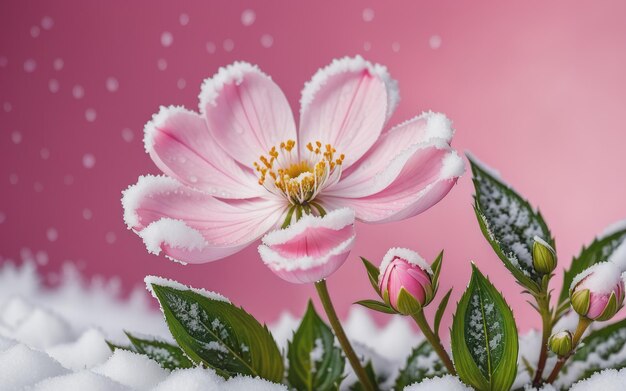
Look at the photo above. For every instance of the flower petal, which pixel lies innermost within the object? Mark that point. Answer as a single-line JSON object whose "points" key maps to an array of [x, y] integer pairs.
{"points": [[180, 144], [246, 112], [310, 249], [191, 226], [346, 104], [424, 180], [386, 159]]}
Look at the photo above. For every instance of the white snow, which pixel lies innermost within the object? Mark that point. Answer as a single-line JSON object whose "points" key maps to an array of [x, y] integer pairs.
{"points": [[157, 121], [233, 73], [23, 366], [133, 370], [618, 257], [613, 228], [88, 351], [149, 280], [599, 278], [607, 380], [174, 233], [277, 262], [444, 383], [350, 64], [452, 166], [410, 256], [192, 379], [145, 186], [83, 380]]}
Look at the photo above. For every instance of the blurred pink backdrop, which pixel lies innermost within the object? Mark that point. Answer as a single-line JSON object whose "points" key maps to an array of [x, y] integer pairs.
{"points": [[536, 89]]}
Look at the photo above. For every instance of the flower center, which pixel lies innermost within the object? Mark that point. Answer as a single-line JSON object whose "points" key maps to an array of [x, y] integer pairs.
{"points": [[299, 178]]}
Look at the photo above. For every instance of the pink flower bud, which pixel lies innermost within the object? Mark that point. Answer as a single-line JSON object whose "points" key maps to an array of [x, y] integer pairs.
{"points": [[405, 269], [598, 292]]}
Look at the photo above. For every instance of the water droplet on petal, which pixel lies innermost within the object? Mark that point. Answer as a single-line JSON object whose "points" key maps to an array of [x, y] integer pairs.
{"points": [[193, 179]]}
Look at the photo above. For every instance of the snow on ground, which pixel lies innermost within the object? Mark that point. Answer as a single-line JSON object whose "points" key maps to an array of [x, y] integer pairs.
{"points": [[54, 339]]}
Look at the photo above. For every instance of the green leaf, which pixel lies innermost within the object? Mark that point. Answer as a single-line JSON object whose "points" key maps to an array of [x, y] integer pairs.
{"points": [[601, 349], [598, 251], [509, 223], [441, 310], [436, 268], [372, 273], [212, 331], [169, 356], [315, 363], [376, 306], [371, 374], [113, 346], [423, 363], [484, 337]]}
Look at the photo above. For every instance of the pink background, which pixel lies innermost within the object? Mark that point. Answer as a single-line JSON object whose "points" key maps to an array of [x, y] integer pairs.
{"points": [[535, 88]]}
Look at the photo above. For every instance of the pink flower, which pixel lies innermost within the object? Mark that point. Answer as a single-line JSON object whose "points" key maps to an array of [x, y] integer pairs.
{"points": [[403, 269], [310, 249], [234, 170], [598, 292]]}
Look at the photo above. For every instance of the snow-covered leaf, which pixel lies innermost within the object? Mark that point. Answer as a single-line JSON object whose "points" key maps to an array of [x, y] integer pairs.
{"points": [[602, 349], [599, 250], [423, 363], [315, 363], [484, 337], [212, 331], [169, 356], [509, 223]]}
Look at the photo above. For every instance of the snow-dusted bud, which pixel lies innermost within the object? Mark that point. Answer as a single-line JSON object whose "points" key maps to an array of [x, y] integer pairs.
{"points": [[406, 281], [544, 256], [598, 292], [561, 343]]}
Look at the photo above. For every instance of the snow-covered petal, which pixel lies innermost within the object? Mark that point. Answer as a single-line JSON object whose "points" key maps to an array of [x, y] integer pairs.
{"points": [[191, 226], [424, 180], [246, 112], [346, 104], [310, 249], [384, 161], [180, 144]]}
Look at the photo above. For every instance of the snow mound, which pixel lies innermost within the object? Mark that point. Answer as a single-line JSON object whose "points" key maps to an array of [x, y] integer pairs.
{"points": [[607, 380], [88, 351], [444, 383], [133, 370], [22, 366], [83, 380]]}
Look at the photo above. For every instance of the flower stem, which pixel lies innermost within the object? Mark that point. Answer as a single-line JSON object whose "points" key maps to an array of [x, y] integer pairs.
{"points": [[546, 317], [322, 290], [583, 323], [421, 321]]}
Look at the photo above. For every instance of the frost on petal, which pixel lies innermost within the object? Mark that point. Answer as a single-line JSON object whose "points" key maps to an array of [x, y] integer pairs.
{"points": [[389, 154], [410, 256], [346, 104], [350, 64], [426, 174], [179, 143], [191, 226], [310, 249], [246, 112]]}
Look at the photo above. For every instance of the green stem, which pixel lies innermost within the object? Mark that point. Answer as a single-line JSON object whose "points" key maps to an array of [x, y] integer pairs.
{"points": [[583, 323], [322, 291], [319, 208], [288, 218], [421, 321], [546, 317]]}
